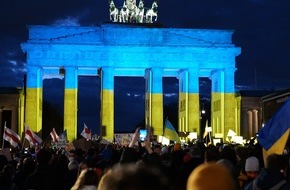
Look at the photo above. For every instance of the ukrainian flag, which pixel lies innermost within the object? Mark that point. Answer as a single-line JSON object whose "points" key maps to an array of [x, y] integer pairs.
{"points": [[170, 133], [274, 135]]}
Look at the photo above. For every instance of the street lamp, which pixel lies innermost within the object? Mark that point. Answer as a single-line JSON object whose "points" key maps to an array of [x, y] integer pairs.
{"points": [[202, 112]]}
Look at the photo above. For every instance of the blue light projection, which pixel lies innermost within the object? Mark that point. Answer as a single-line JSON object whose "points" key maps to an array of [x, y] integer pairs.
{"points": [[116, 49]]}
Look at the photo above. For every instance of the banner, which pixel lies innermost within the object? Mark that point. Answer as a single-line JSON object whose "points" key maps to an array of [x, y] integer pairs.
{"points": [[123, 138]]}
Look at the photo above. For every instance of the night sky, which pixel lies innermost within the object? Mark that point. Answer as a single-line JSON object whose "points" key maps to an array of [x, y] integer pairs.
{"points": [[262, 30]]}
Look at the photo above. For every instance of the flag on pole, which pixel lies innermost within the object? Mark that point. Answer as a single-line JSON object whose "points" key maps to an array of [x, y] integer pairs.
{"points": [[54, 135], [207, 133], [12, 137], [170, 132], [32, 137], [274, 135], [86, 133], [207, 130]]}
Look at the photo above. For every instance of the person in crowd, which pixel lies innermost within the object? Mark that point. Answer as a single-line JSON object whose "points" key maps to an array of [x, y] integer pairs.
{"points": [[6, 177], [177, 155], [175, 162], [242, 153], [3, 161], [191, 160], [87, 180], [72, 174], [27, 168], [44, 176], [157, 149], [228, 153], [84, 165], [130, 154], [229, 165], [59, 163], [211, 176], [150, 158], [273, 176], [250, 172], [134, 176], [164, 150], [211, 154]]}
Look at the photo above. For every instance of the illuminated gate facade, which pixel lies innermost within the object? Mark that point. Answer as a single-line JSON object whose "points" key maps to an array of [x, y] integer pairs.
{"points": [[127, 50]]}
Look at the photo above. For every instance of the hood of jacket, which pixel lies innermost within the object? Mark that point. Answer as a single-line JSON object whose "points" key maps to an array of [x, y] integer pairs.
{"points": [[268, 178]]}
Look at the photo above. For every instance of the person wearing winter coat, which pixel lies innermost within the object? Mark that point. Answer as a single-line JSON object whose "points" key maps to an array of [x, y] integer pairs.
{"points": [[273, 176]]}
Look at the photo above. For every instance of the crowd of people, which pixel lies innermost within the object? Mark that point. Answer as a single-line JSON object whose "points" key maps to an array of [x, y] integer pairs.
{"points": [[146, 166]]}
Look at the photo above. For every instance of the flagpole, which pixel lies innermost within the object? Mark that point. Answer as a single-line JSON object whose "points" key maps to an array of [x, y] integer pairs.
{"points": [[208, 133], [164, 125], [209, 137], [162, 134], [164, 129], [23, 141], [3, 136], [45, 141]]}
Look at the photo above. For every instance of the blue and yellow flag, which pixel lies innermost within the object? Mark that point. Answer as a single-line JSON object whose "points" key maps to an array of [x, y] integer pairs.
{"points": [[170, 133], [274, 135]]}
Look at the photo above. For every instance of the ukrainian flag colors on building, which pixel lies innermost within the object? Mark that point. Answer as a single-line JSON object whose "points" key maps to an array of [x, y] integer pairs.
{"points": [[122, 50]]}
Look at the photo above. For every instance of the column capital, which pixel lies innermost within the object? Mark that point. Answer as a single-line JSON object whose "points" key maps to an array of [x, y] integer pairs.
{"points": [[69, 68], [230, 69], [157, 69], [71, 77], [193, 70]]}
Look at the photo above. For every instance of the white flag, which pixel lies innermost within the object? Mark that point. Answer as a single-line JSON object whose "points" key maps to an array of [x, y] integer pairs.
{"points": [[12, 137], [54, 135], [86, 133], [32, 137]]}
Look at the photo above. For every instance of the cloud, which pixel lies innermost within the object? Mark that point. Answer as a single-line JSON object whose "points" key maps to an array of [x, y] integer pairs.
{"points": [[52, 77], [169, 95], [68, 21], [12, 62], [261, 30]]}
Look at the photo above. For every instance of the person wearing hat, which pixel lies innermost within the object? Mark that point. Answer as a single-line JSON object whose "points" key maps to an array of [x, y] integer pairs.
{"points": [[273, 176], [211, 176], [250, 172], [252, 167]]}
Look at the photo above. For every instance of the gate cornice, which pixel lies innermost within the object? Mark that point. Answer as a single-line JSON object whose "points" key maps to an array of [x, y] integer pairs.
{"points": [[114, 34]]}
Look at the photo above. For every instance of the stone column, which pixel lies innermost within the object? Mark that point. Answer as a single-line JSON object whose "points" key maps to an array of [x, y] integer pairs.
{"points": [[223, 100], [148, 99], [250, 123], [71, 102], [33, 112], [107, 103], [193, 101], [255, 122], [217, 101], [188, 109], [183, 101], [157, 101], [230, 103]]}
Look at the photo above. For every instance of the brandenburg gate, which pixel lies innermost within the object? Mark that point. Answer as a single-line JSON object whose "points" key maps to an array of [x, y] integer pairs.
{"points": [[144, 50]]}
